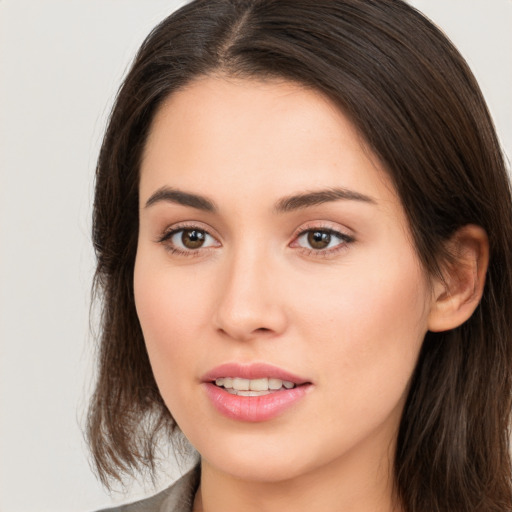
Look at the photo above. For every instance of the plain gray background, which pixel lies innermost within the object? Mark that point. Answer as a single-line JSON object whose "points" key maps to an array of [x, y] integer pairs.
{"points": [[61, 62]]}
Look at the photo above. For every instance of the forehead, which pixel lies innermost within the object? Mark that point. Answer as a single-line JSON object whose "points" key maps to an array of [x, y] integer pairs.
{"points": [[222, 135]]}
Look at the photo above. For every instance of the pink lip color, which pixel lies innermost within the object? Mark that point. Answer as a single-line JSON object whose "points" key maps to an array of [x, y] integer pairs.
{"points": [[253, 408]]}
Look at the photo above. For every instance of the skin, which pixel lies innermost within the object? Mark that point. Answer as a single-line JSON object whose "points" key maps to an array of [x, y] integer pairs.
{"points": [[350, 318]]}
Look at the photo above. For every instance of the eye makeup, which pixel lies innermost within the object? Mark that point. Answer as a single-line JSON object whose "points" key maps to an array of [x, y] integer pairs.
{"points": [[315, 239]]}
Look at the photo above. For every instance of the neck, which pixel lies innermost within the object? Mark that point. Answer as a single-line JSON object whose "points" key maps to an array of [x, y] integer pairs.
{"points": [[353, 483]]}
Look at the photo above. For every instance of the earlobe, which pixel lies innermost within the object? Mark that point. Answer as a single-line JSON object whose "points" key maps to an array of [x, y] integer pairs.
{"points": [[458, 294]]}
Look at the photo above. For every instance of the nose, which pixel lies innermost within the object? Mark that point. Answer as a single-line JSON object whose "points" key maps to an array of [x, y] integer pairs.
{"points": [[249, 304]]}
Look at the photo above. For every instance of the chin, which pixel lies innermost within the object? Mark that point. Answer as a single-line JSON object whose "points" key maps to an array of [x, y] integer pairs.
{"points": [[260, 469], [262, 458]]}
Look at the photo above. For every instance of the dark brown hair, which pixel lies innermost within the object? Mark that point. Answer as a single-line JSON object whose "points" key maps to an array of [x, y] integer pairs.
{"points": [[420, 110]]}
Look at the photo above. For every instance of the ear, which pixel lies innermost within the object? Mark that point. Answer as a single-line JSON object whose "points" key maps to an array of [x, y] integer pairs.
{"points": [[458, 294]]}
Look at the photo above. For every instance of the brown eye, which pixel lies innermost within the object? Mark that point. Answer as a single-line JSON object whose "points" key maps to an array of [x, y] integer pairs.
{"points": [[319, 239], [188, 241], [193, 238], [322, 240]]}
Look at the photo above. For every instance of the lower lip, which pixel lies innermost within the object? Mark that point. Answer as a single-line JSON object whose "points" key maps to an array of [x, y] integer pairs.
{"points": [[254, 408]]}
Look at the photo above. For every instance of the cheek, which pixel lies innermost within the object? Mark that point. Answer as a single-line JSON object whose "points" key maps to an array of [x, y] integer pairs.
{"points": [[170, 300], [171, 313], [368, 324], [159, 302]]}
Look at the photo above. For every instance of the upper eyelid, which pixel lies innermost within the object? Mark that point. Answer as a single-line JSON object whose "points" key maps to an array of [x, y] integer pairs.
{"points": [[344, 237], [324, 226], [181, 226], [319, 228]]}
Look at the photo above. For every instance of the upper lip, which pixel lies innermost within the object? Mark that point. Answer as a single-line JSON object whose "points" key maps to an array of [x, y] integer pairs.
{"points": [[252, 371]]}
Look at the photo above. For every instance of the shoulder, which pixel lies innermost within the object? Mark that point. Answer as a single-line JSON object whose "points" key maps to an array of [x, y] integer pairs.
{"points": [[179, 497]]}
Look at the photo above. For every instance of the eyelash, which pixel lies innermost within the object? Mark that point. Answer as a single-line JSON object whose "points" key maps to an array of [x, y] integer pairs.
{"points": [[167, 236], [344, 240]]}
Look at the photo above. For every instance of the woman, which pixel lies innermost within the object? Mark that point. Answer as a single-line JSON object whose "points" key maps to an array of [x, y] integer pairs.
{"points": [[303, 228]]}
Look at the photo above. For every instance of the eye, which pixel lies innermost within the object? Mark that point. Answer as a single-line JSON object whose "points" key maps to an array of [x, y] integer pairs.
{"points": [[321, 240], [316, 239], [188, 240]]}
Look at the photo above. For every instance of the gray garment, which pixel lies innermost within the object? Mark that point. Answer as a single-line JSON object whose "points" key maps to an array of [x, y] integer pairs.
{"points": [[179, 497]]}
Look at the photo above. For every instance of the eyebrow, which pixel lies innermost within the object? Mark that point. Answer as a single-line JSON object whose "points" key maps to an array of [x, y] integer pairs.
{"points": [[172, 195], [316, 197], [286, 204]]}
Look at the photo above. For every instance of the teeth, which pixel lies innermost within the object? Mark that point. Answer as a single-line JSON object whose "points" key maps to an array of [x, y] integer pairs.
{"points": [[243, 387], [252, 393], [241, 384], [248, 393], [275, 383], [258, 384], [227, 382]]}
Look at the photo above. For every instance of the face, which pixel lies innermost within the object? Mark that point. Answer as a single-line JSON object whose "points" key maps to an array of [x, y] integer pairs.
{"points": [[281, 299]]}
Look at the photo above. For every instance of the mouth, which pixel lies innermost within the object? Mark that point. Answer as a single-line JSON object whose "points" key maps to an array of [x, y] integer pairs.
{"points": [[254, 392], [253, 387], [257, 377]]}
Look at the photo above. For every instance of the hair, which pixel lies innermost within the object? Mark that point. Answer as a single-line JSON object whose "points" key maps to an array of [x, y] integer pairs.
{"points": [[419, 109]]}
